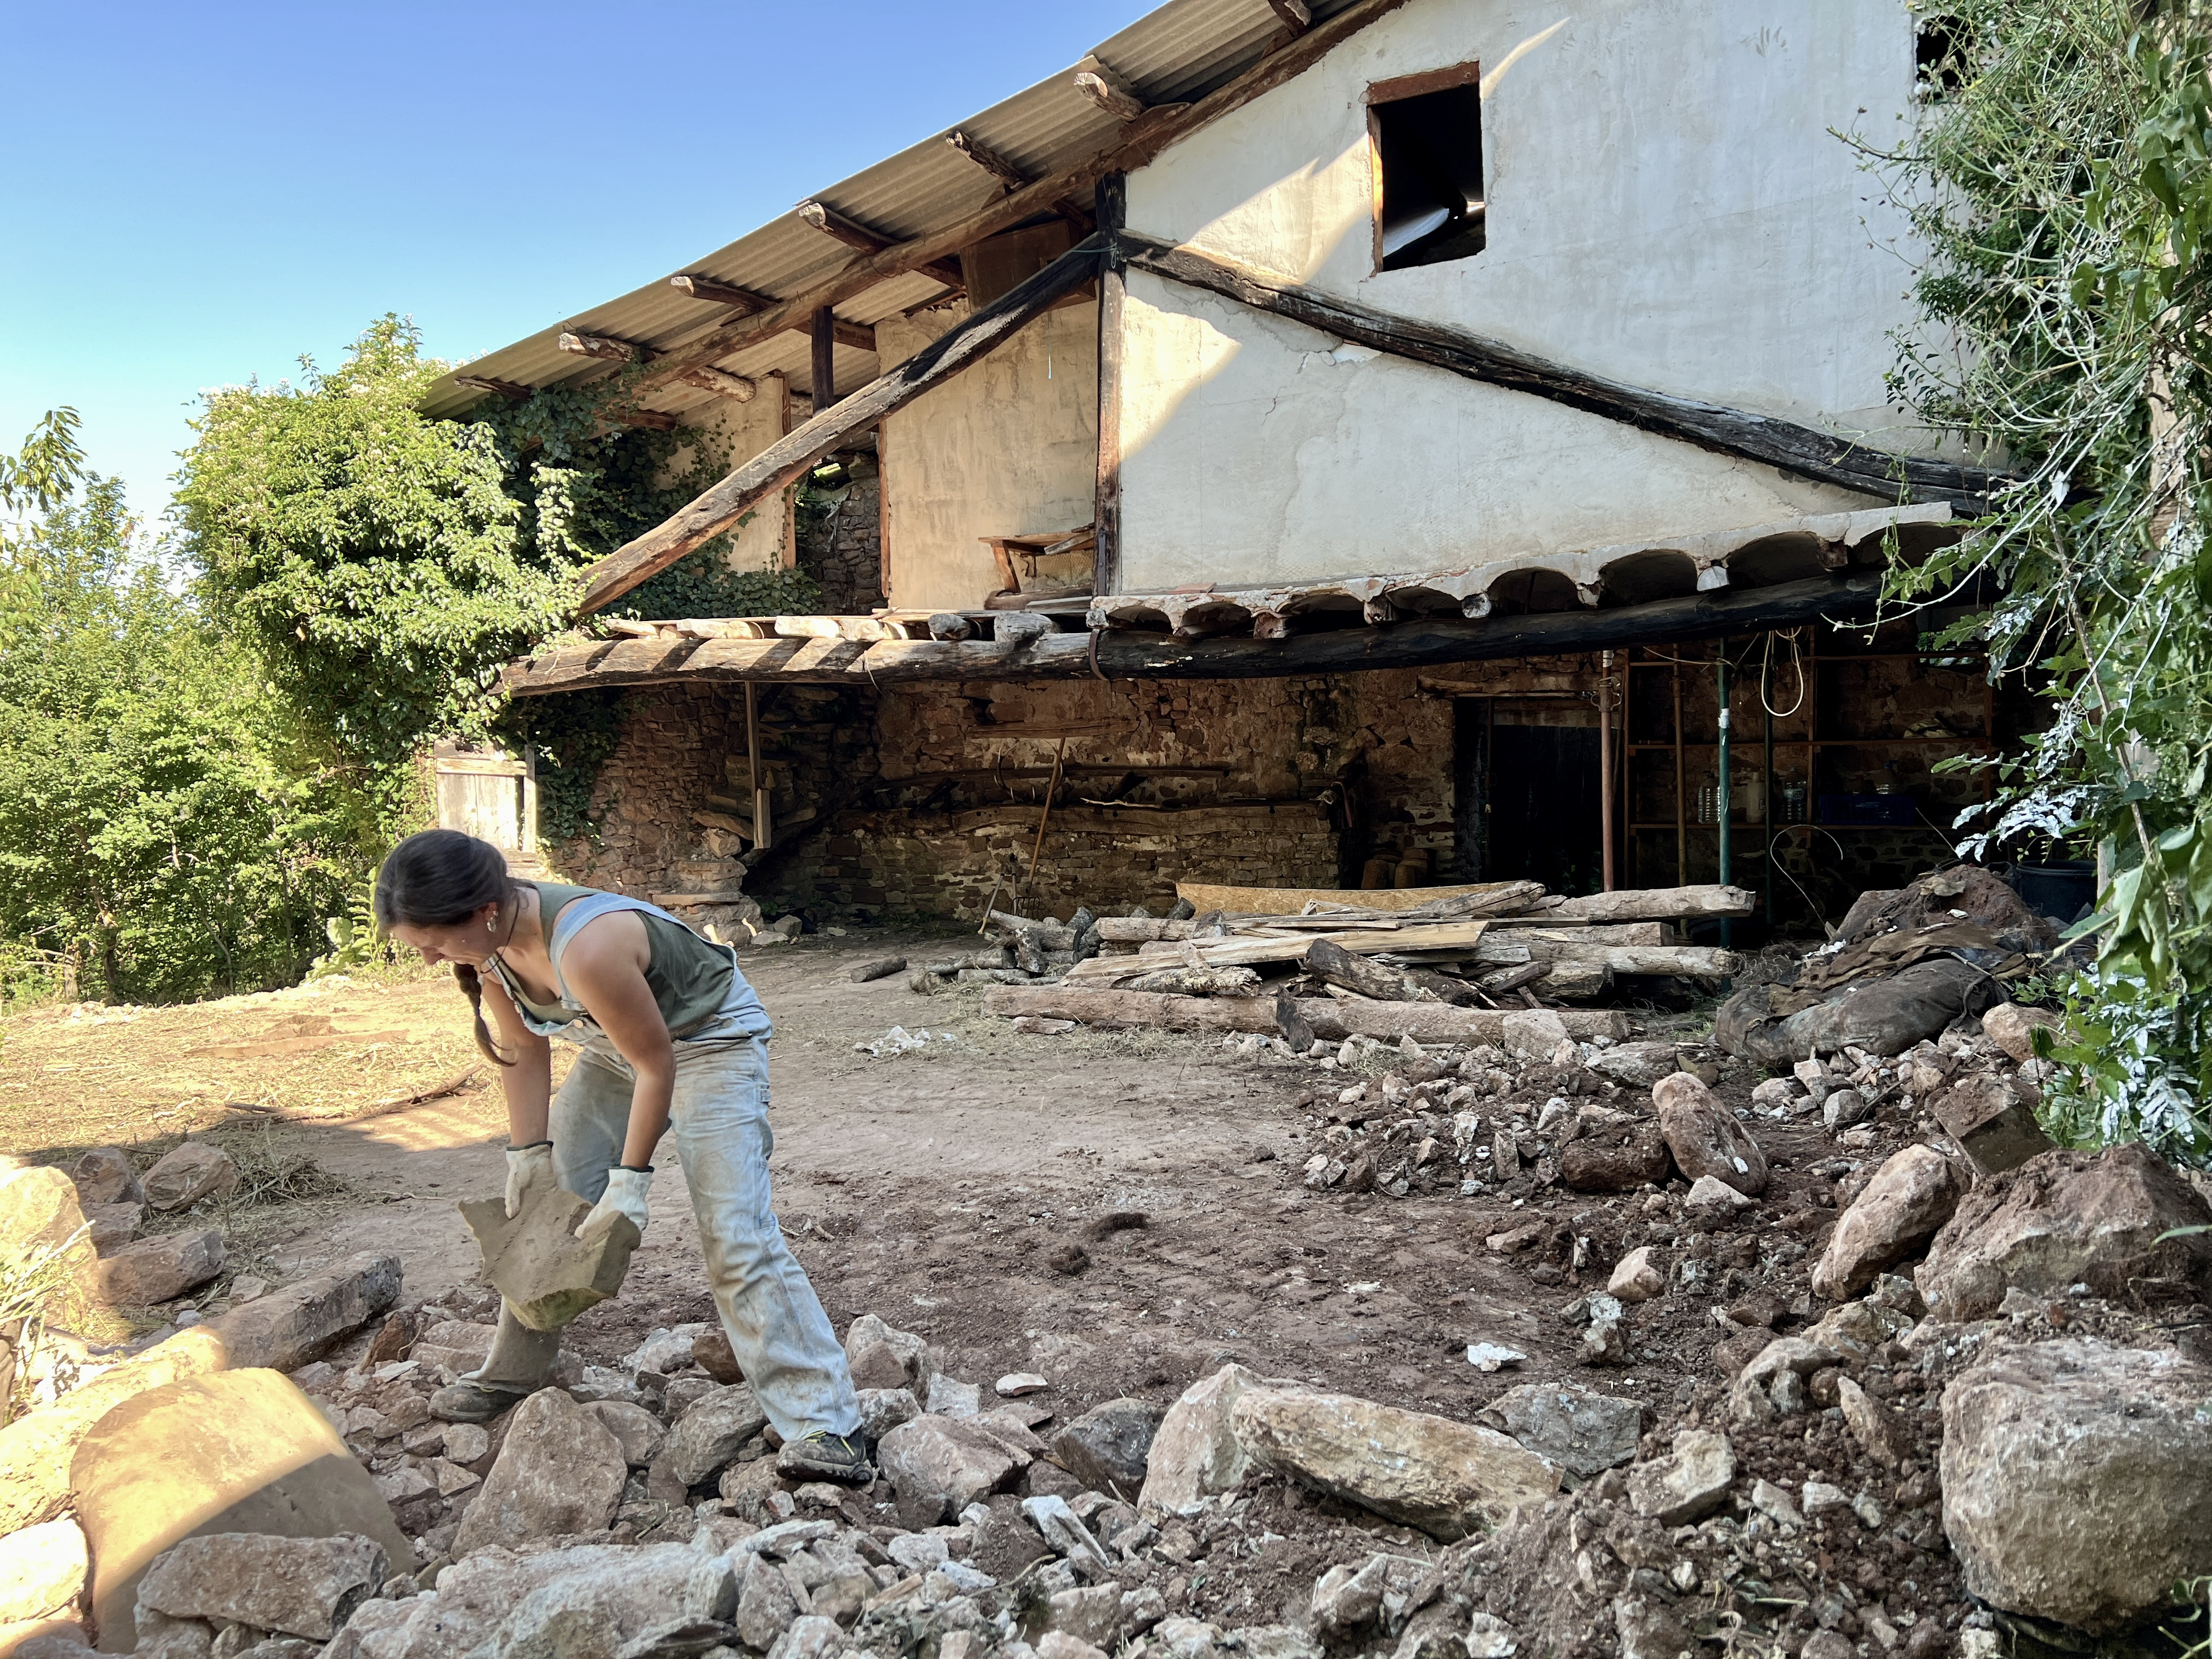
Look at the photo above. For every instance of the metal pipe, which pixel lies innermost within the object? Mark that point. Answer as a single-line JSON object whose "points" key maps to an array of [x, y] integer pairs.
{"points": [[1605, 762], [1720, 662], [1681, 789]]}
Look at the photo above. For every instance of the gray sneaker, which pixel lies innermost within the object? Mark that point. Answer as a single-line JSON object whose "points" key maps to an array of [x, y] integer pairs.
{"points": [[474, 1402], [825, 1456]]}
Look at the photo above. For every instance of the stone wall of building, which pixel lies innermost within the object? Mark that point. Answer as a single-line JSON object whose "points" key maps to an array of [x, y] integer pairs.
{"points": [[844, 551]]}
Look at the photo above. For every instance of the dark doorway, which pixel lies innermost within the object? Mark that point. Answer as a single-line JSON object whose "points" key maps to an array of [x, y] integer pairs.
{"points": [[1528, 804]]}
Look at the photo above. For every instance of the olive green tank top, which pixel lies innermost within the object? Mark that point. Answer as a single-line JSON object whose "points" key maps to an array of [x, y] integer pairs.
{"points": [[690, 978]]}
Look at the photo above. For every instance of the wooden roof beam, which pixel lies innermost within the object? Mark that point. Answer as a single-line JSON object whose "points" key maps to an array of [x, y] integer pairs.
{"points": [[506, 389], [1009, 174], [966, 343], [1110, 92], [851, 231], [1297, 16], [1143, 140], [605, 347], [722, 293], [721, 383]]}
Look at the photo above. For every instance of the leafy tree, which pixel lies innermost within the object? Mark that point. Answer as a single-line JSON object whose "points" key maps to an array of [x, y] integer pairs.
{"points": [[2061, 182], [161, 834]]}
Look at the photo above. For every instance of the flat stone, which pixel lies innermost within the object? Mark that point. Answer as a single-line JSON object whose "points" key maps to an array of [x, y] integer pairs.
{"points": [[1635, 1277], [1622, 1159], [636, 1429], [1195, 1453], [1535, 1033], [113, 1224], [1907, 1202], [453, 1345], [1442, 1477], [305, 1586], [2070, 1217], [1107, 1447], [765, 1606], [1090, 1613], [535, 1260], [42, 1571], [1487, 1357], [1688, 1483], [2077, 1480], [158, 1268], [194, 1172], [948, 1397], [1060, 1527], [1775, 1503], [712, 1353], [1844, 1109], [558, 1472], [2012, 1028], [1014, 1384], [1712, 1202], [940, 1465], [1635, 1065], [1704, 1137], [285, 1328], [234, 1452], [1992, 1117], [105, 1175], [712, 1432], [1584, 1432]]}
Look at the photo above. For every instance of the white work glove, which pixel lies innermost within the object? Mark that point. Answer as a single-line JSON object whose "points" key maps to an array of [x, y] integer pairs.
{"points": [[528, 1168], [625, 1195]]}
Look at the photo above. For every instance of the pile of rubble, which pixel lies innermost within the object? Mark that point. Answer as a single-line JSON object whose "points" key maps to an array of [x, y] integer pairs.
{"points": [[1444, 971]]}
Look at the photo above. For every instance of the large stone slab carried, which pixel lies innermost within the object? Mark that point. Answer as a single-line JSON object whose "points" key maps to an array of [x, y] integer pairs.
{"points": [[240, 1451], [535, 1260], [2077, 1480], [1445, 1478]]}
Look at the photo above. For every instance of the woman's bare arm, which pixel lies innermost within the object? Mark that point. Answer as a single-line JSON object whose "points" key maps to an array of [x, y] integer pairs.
{"points": [[527, 1084]]}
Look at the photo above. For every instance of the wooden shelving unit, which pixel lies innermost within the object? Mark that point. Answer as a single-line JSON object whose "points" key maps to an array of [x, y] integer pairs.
{"points": [[1667, 692]]}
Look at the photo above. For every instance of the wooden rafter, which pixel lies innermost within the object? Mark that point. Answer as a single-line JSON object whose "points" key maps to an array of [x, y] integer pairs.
{"points": [[605, 347], [959, 348], [1141, 142], [1006, 172], [1297, 16], [722, 384], [1110, 92], [1739, 433], [841, 228], [506, 389], [721, 293]]}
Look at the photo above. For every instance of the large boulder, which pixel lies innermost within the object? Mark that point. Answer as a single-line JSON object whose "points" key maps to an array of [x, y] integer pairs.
{"points": [[1448, 1479], [1704, 1137], [711, 1433], [1622, 1158], [1195, 1453], [2077, 1480], [940, 1465], [558, 1472], [305, 1586], [39, 1210], [2067, 1219], [236, 1452], [194, 1172], [1105, 1448], [1902, 1207], [286, 1328], [42, 1571]]}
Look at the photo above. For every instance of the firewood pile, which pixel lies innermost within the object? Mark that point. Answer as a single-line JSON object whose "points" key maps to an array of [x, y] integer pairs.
{"points": [[1445, 969]]}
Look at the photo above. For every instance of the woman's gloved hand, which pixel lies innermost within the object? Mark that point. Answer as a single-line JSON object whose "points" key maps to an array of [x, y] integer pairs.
{"points": [[528, 1169], [625, 1195]]}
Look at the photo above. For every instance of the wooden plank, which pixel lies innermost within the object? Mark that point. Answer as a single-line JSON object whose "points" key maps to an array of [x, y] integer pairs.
{"points": [[1764, 438], [722, 384], [1424, 1022], [1112, 205], [1139, 144], [1656, 904], [1289, 900], [784, 462]]}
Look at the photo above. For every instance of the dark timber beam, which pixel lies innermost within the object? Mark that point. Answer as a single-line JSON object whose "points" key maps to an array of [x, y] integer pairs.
{"points": [[583, 665], [852, 233], [605, 347], [721, 293], [961, 347], [1006, 172], [1110, 92], [1297, 16], [1764, 438], [822, 383], [1106, 506], [506, 389], [1139, 144], [722, 384]]}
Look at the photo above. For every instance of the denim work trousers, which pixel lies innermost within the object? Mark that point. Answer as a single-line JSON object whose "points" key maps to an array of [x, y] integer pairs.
{"points": [[719, 1121]]}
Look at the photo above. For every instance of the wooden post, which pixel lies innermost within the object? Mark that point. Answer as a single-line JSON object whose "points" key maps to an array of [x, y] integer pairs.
{"points": [[1681, 789], [1721, 770], [1605, 762], [529, 836], [824, 381], [763, 831], [1111, 208]]}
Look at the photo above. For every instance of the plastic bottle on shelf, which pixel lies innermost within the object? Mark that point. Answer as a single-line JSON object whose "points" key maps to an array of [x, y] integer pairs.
{"points": [[1709, 798]]}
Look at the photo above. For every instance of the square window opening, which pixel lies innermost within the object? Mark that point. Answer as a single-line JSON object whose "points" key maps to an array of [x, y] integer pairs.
{"points": [[1427, 134]]}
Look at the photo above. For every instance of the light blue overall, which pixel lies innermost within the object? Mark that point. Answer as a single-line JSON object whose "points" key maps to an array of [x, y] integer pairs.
{"points": [[719, 1117]]}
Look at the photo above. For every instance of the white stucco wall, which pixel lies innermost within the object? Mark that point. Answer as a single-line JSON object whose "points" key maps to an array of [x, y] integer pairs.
{"points": [[735, 433], [1665, 207], [1008, 448]]}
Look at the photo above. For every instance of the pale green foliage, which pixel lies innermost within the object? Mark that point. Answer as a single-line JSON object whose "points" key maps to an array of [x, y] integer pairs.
{"points": [[161, 836], [2064, 188]]}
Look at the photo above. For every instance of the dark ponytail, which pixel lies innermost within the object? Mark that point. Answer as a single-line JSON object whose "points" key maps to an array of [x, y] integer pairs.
{"points": [[439, 878]]}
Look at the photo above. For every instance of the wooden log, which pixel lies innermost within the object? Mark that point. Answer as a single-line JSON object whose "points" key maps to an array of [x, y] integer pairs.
{"points": [[1297, 16], [1012, 176], [966, 343], [1469, 942], [1654, 904], [1140, 142], [1326, 960], [1112, 202], [1424, 1022], [506, 389], [570, 666], [722, 293], [1577, 979], [851, 231], [1491, 897], [1197, 982], [604, 347], [722, 383], [821, 362], [1110, 92], [1845, 462]]}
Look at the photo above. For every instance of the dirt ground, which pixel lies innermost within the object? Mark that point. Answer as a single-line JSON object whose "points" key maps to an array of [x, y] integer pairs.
{"points": [[927, 1187]]}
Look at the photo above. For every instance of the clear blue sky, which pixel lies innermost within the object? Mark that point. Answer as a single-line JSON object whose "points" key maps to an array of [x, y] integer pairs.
{"points": [[197, 195]]}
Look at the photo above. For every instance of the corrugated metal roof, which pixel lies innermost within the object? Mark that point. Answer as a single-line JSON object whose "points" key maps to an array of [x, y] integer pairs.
{"points": [[1175, 54]]}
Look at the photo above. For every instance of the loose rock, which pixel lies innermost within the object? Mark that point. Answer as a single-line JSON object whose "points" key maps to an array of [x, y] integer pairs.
{"points": [[636, 1430], [1106, 1448], [1635, 1277], [1584, 1432], [284, 1328], [2077, 1480], [305, 1587], [1706, 1138], [1195, 1453], [105, 1175], [939, 1466], [1908, 1201], [1616, 1160], [1873, 1424], [1688, 1483], [194, 1172], [155, 1269], [1992, 1117], [711, 1432], [2012, 1028], [42, 1571], [558, 1472], [1712, 1202]]}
